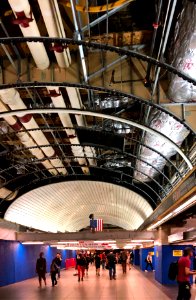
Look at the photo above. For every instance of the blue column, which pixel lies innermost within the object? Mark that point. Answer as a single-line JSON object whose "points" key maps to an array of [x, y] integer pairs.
{"points": [[164, 255], [136, 253], [143, 255]]}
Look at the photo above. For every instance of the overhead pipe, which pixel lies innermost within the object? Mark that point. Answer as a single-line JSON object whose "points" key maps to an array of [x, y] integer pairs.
{"points": [[58, 101], [52, 19], [26, 140], [76, 102], [51, 16], [11, 97], [155, 26], [25, 19]]}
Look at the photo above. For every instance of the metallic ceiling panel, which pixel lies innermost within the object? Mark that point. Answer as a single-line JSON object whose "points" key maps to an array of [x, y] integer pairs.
{"points": [[66, 206]]}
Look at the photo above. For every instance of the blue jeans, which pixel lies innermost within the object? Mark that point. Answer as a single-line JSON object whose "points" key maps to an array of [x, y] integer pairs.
{"points": [[112, 271]]}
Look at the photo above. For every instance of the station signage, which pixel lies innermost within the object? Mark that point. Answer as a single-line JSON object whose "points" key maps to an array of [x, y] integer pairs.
{"points": [[177, 253], [87, 245]]}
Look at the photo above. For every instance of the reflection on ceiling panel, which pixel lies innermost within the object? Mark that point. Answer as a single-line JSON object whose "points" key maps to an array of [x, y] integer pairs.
{"points": [[66, 206]]}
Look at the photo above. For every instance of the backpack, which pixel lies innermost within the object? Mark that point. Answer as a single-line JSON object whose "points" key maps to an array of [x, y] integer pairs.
{"points": [[173, 270]]}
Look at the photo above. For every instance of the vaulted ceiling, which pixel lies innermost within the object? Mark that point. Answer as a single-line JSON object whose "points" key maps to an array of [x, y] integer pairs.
{"points": [[95, 95]]}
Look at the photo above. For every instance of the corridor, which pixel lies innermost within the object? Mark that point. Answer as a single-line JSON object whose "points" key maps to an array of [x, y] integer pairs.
{"points": [[135, 285]]}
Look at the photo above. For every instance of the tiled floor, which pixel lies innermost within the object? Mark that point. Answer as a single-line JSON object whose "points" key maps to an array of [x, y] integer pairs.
{"points": [[135, 285]]}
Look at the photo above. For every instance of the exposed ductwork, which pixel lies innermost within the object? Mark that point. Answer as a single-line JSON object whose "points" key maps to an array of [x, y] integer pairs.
{"points": [[184, 59], [28, 26], [168, 126], [184, 55], [26, 140], [110, 102], [12, 98]]}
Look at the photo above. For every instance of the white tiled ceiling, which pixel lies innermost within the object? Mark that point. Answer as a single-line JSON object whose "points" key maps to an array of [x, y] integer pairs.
{"points": [[66, 206]]}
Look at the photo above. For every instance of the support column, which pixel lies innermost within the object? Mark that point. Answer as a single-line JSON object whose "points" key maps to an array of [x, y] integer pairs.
{"points": [[136, 260]]}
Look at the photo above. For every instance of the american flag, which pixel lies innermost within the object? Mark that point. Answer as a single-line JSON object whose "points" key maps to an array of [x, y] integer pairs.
{"points": [[97, 224]]}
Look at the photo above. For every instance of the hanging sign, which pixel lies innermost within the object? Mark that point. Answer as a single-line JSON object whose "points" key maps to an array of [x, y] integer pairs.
{"points": [[177, 252]]}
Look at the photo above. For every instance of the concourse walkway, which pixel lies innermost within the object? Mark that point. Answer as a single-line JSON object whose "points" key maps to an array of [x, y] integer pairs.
{"points": [[135, 285]]}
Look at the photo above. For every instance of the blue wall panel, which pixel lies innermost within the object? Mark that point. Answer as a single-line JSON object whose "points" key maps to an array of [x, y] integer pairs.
{"points": [[163, 258], [18, 261]]}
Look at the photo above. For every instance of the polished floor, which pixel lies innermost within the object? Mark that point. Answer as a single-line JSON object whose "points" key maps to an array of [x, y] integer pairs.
{"points": [[135, 285]]}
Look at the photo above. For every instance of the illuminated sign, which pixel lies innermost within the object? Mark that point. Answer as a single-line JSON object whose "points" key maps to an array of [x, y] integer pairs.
{"points": [[177, 253], [151, 253]]}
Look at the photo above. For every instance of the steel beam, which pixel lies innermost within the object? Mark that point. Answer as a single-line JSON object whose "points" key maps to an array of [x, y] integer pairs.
{"points": [[85, 236], [104, 17], [95, 74], [186, 188], [104, 116]]}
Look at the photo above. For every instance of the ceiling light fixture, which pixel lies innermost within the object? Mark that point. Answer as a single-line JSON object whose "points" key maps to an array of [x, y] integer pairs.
{"points": [[140, 241], [104, 242], [179, 209], [32, 243], [64, 243]]}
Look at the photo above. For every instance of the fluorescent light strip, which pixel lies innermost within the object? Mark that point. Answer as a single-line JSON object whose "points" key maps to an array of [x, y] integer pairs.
{"points": [[32, 243], [64, 243], [179, 209], [140, 241], [104, 242], [185, 205]]}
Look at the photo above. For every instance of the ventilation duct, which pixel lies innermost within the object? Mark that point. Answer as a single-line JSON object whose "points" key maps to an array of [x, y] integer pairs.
{"points": [[118, 127], [110, 102], [174, 130], [112, 164], [12, 98], [26, 20], [184, 55]]}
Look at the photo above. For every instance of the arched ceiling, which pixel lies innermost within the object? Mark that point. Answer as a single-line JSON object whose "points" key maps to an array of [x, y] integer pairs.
{"points": [[78, 137], [66, 206]]}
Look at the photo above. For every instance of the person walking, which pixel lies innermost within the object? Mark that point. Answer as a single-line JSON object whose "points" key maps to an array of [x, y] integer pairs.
{"points": [[97, 264], [148, 261], [124, 261], [87, 263], [194, 263], [183, 277], [103, 261], [58, 261], [41, 269], [131, 259], [111, 263], [53, 272], [81, 264]]}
